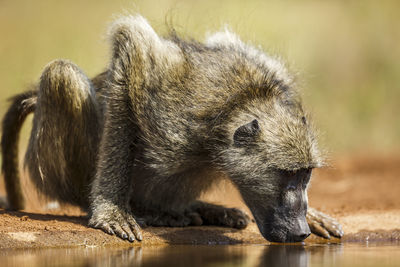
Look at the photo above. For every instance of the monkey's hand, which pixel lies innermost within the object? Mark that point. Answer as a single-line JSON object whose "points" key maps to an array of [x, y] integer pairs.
{"points": [[323, 225], [116, 221]]}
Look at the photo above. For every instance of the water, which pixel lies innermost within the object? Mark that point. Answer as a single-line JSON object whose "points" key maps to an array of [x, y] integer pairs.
{"points": [[234, 255]]}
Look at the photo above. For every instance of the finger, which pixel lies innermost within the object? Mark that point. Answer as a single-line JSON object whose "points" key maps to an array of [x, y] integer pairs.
{"points": [[106, 228], [101, 225], [195, 218], [334, 229], [242, 214], [317, 229], [331, 225], [241, 223], [131, 235], [135, 228], [119, 231], [327, 222]]}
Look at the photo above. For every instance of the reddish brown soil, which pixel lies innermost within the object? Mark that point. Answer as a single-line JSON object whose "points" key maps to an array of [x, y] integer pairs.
{"points": [[362, 192]]}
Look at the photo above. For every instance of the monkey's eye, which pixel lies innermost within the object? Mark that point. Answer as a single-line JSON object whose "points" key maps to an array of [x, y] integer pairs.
{"points": [[304, 120], [292, 186], [292, 179]]}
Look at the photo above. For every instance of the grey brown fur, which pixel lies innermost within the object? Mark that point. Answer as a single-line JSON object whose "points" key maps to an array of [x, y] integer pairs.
{"points": [[141, 141]]}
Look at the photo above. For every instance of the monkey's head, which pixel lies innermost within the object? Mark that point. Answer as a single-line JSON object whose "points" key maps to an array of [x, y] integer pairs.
{"points": [[270, 157], [268, 146]]}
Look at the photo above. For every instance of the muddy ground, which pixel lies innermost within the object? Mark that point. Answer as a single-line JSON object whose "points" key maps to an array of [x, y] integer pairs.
{"points": [[362, 192]]}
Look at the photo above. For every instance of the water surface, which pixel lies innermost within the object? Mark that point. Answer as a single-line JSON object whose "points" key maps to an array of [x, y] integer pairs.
{"points": [[218, 255]]}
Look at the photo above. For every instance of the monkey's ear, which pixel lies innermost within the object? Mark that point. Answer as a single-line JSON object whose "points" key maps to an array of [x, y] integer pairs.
{"points": [[246, 133]]}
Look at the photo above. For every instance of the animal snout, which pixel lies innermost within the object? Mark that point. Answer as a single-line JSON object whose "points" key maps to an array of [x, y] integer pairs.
{"points": [[300, 232], [298, 237]]}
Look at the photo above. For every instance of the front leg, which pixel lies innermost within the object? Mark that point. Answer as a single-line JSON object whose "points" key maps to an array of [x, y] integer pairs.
{"points": [[323, 225], [211, 214], [196, 214], [137, 54], [112, 186]]}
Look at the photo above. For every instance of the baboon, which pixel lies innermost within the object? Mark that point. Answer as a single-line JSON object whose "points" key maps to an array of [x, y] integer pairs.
{"points": [[167, 118]]}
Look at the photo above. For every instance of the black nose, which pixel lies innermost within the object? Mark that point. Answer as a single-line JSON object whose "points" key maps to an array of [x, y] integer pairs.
{"points": [[298, 237], [293, 237], [278, 232], [300, 231], [304, 236]]}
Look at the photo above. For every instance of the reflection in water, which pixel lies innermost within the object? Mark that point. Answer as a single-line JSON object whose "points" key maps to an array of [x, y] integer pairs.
{"points": [[289, 255], [192, 256]]}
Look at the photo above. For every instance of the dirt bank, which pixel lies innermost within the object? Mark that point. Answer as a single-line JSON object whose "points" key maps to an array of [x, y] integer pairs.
{"points": [[362, 192]]}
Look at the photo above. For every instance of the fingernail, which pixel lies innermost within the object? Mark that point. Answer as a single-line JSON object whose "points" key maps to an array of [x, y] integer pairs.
{"points": [[131, 239], [328, 236], [124, 236], [139, 236]]}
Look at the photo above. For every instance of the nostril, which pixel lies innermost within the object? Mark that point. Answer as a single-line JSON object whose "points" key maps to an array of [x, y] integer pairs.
{"points": [[298, 237], [304, 236]]}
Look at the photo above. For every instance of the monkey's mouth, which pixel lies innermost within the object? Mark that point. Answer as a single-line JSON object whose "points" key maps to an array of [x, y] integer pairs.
{"points": [[280, 235], [283, 231]]}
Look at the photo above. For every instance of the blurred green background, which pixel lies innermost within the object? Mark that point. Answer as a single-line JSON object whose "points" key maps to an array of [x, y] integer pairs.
{"points": [[347, 53]]}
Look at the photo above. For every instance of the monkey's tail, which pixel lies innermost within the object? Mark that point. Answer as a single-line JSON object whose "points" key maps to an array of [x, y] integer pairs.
{"points": [[21, 106]]}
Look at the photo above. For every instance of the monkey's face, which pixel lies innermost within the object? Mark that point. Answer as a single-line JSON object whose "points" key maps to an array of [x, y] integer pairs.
{"points": [[270, 160], [280, 205]]}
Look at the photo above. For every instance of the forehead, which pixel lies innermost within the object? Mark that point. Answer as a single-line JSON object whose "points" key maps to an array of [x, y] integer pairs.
{"points": [[287, 141]]}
